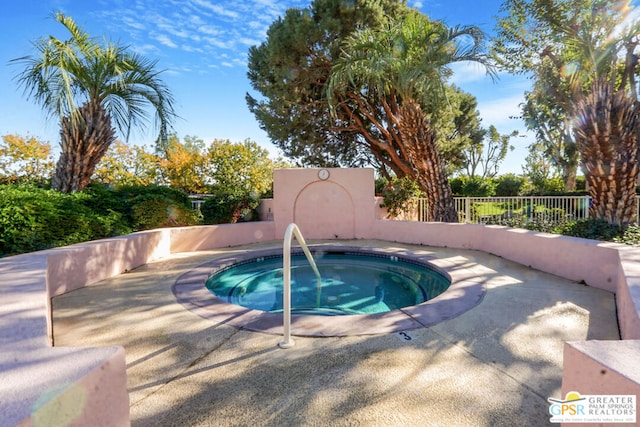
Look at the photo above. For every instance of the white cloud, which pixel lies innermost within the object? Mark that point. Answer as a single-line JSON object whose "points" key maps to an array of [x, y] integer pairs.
{"points": [[466, 72], [217, 9], [209, 29], [133, 23], [165, 41], [189, 48], [145, 49], [202, 30], [196, 20], [221, 44], [172, 72], [249, 42], [500, 112]]}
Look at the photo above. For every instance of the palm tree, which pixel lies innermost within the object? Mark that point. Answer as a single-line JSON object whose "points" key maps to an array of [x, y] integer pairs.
{"points": [[91, 86], [388, 82], [606, 116], [606, 133]]}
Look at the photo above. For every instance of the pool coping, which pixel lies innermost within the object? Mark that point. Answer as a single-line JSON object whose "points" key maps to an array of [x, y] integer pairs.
{"points": [[462, 295]]}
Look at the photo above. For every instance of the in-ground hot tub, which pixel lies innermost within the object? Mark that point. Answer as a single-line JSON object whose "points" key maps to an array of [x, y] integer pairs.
{"points": [[363, 290], [350, 282]]}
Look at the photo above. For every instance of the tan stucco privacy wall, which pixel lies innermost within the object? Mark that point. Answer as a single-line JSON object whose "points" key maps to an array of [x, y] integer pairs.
{"points": [[87, 386]]}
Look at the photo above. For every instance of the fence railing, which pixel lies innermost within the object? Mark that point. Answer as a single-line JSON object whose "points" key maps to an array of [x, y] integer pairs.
{"points": [[506, 210], [197, 200]]}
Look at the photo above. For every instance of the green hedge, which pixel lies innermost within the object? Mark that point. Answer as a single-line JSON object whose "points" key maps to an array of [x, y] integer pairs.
{"points": [[229, 208], [33, 218], [154, 211], [147, 207]]}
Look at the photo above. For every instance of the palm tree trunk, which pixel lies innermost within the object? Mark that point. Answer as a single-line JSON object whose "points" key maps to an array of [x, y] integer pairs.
{"points": [[84, 141], [607, 136], [426, 162]]}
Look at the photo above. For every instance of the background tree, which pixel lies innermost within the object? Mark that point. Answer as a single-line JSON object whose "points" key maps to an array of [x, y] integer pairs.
{"points": [[92, 86], [184, 165], [387, 82], [546, 113], [606, 132], [484, 155], [539, 171], [25, 159], [607, 110], [244, 167], [291, 68], [222, 166], [555, 43], [290, 71], [241, 174], [585, 57], [124, 165], [457, 126]]}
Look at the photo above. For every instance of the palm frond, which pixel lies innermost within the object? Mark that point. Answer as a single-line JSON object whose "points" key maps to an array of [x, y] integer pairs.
{"points": [[411, 57], [65, 74]]}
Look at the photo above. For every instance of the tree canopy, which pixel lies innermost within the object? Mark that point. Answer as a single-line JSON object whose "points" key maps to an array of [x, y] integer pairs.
{"points": [[192, 166], [583, 58], [91, 85], [25, 158], [385, 86], [290, 71], [563, 45]]}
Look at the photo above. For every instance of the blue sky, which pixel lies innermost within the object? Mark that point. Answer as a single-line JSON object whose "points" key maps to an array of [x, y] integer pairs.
{"points": [[202, 46]]}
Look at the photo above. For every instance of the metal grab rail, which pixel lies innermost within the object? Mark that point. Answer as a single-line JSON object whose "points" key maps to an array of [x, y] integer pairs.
{"points": [[292, 230]]}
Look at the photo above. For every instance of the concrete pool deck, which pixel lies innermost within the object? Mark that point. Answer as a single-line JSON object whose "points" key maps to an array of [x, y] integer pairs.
{"points": [[495, 364]]}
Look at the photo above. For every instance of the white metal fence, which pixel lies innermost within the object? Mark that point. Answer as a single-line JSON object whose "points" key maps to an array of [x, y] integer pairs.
{"points": [[514, 210], [197, 200]]}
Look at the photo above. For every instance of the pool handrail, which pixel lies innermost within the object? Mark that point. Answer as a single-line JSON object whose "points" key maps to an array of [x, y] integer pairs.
{"points": [[291, 231]]}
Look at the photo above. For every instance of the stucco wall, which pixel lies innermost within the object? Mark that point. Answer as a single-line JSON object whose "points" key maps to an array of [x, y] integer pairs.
{"points": [[339, 206], [44, 385]]}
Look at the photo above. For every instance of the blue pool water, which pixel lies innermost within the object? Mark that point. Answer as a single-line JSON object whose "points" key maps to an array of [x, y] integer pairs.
{"points": [[352, 283]]}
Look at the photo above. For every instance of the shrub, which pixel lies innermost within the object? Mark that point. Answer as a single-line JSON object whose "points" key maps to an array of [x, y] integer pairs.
{"points": [[380, 184], [399, 197], [478, 187], [547, 186], [154, 210], [554, 185], [106, 202], [128, 197], [32, 219], [592, 229], [509, 185], [456, 185], [630, 236], [229, 207], [129, 193], [464, 186]]}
